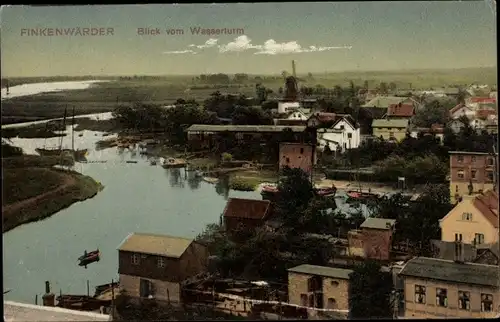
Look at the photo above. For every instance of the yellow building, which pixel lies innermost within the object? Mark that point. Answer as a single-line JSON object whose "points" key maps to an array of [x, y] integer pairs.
{"points": [[319, 287], [390, 129], [437, 288], [474, 220]]}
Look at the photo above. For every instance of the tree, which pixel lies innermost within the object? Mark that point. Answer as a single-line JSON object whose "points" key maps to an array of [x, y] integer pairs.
{"points": [[295, 193], [251, 116], [433, 113], [370, 292]]}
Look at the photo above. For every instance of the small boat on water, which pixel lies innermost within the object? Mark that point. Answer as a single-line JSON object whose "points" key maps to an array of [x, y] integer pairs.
{"points": [[173, 163], [198, 174], [326, 191], [89, 258], [152, 162]]}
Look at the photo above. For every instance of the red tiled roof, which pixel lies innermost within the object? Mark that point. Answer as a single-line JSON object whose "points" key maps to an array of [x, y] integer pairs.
{"points": [[246, 208], [483, 100], [456, 108], [404, 110], [483, 114], [487, 204]]}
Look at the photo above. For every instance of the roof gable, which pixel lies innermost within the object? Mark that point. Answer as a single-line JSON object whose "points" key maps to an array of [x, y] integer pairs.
{"points": [[161, 245], [487, 205], [402, 110], [246, 208], [346, 119]]}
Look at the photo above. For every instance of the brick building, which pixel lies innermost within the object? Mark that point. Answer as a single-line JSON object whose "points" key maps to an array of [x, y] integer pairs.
{"points": [[249, 213], [319, 287], [373, 240], [297, 155], [475, 169]]}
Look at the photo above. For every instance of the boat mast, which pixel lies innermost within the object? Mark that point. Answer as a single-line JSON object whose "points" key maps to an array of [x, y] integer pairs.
{"points": [[73, 131], [64, 127]]}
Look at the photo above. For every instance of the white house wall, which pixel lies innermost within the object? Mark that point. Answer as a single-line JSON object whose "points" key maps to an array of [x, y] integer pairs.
{"points": [[284, 107], [337, 140]]}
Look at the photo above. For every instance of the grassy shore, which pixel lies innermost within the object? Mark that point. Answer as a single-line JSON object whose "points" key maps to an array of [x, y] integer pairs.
{"points": [[34, 190]]}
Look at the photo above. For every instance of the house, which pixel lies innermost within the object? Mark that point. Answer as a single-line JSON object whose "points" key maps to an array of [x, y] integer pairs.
{"points": [[284, 106], [385, 101], [487, 254], [491, 125], [436, 288], [248, 213], [390, 129], [321, 120], [461, 110], [300, 114], [436, 130], [297, 155], [377, 237], [400, 111], [466, 168], [319, 287], [154, 266], [343, 135], [474, 220], [480, 253]]}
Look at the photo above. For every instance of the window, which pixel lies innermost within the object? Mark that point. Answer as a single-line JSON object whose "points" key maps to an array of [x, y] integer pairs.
{"points": [[473, 174], [342, 127], [161, 262], [303, 299], [489, 175], [460, 158], [301, 150], [420, 294], [146, 288], [460, 174], [464, 300], [349, 135], [332, 304], [441, 297], [391, 134], [490, 161], [467, 216], [486, 302], [479, 239], [458, 237], [135, 259], [389, 128], [335, 283], [473, 159], [287, 160]]}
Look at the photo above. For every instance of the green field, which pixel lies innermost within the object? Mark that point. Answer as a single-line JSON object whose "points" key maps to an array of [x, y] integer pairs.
{"points": [[103, 97]]}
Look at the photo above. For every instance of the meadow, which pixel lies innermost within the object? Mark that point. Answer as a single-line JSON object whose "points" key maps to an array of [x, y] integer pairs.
{"points": [[103, 97]]}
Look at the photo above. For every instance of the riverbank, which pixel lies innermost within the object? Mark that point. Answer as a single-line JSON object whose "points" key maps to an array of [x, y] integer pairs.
{"points": [[33, 190]]}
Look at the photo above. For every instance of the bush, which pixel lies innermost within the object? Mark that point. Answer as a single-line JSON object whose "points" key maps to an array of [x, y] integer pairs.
{"points": [[241, 184], [226, 157]]}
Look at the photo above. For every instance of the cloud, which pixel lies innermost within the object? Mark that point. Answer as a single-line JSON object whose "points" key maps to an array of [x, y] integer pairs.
{"points": [[180, 52], [270, 47], [239, 44], [208, 44]]}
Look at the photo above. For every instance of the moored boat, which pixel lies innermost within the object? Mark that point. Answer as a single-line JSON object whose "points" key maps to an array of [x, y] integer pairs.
{"points": [[89, 258], [173, 163], [326, 191], [360, 196]]}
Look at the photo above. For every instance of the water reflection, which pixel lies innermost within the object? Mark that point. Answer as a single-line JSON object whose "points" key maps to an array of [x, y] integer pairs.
{"points": [[176, 178], [222, 186], [193, 180]]}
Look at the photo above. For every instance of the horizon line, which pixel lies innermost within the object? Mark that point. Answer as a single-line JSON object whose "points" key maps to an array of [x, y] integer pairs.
{"points": [[257, 74]]}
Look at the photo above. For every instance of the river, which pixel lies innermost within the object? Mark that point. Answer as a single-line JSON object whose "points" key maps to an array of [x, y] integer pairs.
{"points": [[137, 197]]}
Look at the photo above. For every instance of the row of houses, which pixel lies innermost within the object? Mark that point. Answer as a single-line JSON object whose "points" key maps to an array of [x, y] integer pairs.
{"points": [[459, 281]]}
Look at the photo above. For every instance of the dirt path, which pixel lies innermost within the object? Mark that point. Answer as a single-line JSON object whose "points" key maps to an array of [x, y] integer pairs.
{"points": [[17, 206]]}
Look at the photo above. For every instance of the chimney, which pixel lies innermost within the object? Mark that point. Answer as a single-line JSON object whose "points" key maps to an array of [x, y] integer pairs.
{"points": [[49, 299]]}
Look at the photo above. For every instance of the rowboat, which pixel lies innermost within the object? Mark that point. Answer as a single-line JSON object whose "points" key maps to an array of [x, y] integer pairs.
{"points": [[89, 258]]}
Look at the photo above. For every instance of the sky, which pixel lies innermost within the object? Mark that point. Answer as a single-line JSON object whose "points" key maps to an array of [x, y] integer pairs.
{"points": [[260, 38]]}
